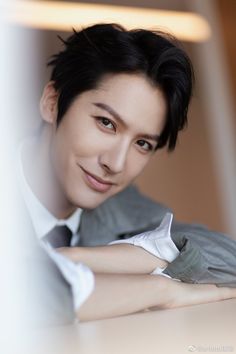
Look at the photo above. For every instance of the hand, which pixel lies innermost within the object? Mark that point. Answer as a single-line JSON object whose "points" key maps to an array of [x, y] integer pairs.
{"points": [[180, 294]]}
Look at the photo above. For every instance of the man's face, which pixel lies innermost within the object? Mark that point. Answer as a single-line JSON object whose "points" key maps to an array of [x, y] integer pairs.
{"points": [[106, 138]]}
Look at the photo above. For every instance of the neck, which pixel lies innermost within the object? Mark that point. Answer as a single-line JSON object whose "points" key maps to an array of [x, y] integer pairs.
{"points": [[40, 176]]}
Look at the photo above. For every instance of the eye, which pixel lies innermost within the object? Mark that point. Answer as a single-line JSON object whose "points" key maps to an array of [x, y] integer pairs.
{"points": [[106, 123], [146, 146]]}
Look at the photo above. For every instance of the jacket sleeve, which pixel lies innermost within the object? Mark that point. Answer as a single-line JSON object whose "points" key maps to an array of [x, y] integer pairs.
{"points": [[206, 256]]}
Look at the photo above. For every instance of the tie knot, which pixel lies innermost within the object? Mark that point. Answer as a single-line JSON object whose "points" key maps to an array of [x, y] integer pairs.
{"points": [[59, 236]]}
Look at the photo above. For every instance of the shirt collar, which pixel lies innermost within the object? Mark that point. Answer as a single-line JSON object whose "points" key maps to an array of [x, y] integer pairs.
{"points": [[43, 220]]}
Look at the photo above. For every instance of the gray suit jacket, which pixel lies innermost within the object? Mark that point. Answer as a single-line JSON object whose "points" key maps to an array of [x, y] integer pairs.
{"points": [[205, 256]]}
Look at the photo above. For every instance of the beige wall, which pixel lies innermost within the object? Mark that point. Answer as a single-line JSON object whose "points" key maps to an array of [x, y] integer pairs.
{"points": [[185, 179], [191, 181], [227, 16]]}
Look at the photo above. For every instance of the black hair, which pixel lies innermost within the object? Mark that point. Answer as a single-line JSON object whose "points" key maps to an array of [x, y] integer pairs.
{"points": [[103, 49]]}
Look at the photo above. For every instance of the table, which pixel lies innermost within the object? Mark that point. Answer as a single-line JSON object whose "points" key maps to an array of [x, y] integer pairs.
{"points": [[206, 328]]}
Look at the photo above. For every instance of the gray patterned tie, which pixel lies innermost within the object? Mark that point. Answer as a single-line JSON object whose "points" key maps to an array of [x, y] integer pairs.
{"points": [[59, 236]]}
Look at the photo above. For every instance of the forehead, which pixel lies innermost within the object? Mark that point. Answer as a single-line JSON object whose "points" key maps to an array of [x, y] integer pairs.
{"points": [[126, 88], [133, 97]]}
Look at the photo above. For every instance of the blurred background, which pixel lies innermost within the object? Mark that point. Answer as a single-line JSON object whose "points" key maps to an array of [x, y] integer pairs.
{"points": [[198, 180]]}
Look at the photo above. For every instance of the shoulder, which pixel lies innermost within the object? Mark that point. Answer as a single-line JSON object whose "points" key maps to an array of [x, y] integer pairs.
{"points": [[129, 212]]}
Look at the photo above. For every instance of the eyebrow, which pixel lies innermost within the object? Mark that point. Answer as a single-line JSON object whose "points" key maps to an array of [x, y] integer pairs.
{"points": [[111, 111]]}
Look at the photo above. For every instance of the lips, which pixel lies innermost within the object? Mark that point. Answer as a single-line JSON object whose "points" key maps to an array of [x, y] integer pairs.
{"points": [[96, 183]]}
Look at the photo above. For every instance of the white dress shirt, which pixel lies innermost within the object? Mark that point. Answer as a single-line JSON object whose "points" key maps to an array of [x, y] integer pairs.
{"points": [[79, 276]]}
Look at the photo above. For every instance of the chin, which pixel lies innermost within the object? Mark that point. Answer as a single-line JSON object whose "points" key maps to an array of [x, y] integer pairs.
{"points": [[89, 202]]}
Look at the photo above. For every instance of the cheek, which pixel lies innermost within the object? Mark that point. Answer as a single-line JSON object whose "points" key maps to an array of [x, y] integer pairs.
{"points": [[70, 143], [135, 165], [90, 145]]}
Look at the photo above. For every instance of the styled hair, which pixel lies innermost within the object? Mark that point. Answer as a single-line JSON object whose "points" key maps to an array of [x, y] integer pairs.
{"points": [[103, 49]]}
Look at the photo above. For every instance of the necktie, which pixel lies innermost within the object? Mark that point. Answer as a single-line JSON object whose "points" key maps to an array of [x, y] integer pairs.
{"points": [[59, 236]]}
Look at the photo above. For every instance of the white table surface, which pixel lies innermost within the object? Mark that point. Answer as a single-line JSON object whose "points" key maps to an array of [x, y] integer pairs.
{"points": [[207, 328]]}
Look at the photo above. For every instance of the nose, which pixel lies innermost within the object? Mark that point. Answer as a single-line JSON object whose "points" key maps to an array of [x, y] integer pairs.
{"points": [[114, 159]]}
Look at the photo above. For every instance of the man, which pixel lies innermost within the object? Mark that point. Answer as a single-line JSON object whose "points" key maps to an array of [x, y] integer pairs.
{"points": [[114, 98]]}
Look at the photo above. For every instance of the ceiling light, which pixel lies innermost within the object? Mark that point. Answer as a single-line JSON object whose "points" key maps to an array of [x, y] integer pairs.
{"points": [[62, 16]]}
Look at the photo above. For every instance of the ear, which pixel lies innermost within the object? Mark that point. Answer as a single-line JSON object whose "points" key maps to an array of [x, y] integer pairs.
{"points": [[48, 103]]}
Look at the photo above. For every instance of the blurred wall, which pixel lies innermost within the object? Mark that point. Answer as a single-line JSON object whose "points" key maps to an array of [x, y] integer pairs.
{"points": [[198, 181], [227, 16]]}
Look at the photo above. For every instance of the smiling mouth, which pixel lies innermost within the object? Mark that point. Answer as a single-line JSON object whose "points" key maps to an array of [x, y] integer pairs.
{"points": [[95, 182]]}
